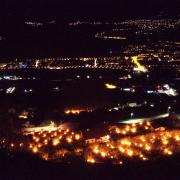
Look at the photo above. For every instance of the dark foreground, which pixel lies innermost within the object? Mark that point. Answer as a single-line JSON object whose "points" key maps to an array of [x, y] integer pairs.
{"points": [[27, 167]]}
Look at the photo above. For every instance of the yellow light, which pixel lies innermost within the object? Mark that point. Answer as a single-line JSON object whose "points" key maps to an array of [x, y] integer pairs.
{"points": [[91, 160], [45, 141], [177, 138], [142, 138], [35, 149], [103, 154], [140, 145], [138, 65], [133, 130], [69, 139], [110, 86], [167, 151], [126, 142], [148, 124], [121, 149], [72, 111], [77, 136], [55, 142], [127, 128], [130, 153], [148, 148], [96, 151], [117, 131], [55, 133], [36, 63], [39, 145], [37, 139], [23, 115], [165, 142]]}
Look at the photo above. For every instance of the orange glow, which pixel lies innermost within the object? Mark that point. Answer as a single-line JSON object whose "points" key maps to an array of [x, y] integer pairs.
{"points": [[69, 139], [91, 160], [72, 111], [103, 154], [77, 136], [35, 149], [55, 142], [114, 145]]}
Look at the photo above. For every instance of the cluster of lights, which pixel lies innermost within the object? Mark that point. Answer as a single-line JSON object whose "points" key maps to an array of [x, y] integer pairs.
{"points": [[52, 144], [68, 63], [164, 89], [128, 143], [140, 141], [116, 62]]}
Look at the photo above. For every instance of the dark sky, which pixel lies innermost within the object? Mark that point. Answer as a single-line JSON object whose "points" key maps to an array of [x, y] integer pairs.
{"points": [[87, 8]]}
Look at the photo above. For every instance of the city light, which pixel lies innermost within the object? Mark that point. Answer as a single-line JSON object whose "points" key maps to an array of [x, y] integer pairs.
{"points": [[138, 67], [110, 86]]}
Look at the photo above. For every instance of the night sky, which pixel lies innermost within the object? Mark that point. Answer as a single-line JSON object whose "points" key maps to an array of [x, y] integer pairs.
{"points": [[87, 8]]}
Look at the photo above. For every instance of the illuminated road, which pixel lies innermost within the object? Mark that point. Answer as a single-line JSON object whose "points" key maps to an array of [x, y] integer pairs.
{"points": [[137, 120]]}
